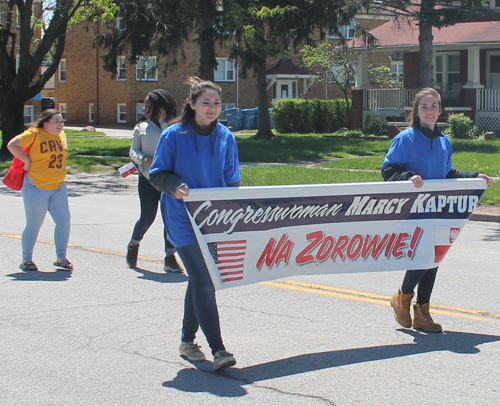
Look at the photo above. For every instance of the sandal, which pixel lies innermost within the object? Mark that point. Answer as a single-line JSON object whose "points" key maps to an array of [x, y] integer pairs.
{"points": [[28, 266], [64, 264]]}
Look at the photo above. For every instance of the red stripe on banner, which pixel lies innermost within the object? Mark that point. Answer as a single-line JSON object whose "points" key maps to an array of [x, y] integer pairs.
{"points": [[231, 242], [235, 248], [440, 251], [231, 273], [232, 279], [237, 266], [232, 254], [227, 261]]}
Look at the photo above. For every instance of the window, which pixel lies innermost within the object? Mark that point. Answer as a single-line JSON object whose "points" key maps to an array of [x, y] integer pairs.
{"points": [[397, 71], [493, 70], [51, 83], [91, 112], [345, 31], [63, 108], [29, 114], [225, 106], [121, 68], [121, 113], [225, 71], [62, 70], [146, 69], [139, 111], [447, 70], [342, 74]]}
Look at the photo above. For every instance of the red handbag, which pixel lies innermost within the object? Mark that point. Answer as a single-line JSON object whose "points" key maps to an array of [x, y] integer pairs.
{"points": [[15, 175]]}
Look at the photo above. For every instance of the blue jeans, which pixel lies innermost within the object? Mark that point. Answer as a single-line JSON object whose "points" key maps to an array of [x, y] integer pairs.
{"points": [[36, 204], [149, 198], [200, 306]]}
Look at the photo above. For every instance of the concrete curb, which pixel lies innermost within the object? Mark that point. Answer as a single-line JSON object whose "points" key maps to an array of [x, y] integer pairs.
{"points": [[488, 217]]}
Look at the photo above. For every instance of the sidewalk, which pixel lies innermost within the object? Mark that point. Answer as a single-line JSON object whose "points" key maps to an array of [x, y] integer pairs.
{"points": [[113, 180], [113, 132]]}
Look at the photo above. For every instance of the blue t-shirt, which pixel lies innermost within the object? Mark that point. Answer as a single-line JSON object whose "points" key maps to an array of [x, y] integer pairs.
{"points": [[201, 162], [413, 151]]}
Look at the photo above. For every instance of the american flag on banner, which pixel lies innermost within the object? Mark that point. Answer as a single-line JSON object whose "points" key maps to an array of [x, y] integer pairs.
{"points": [[229, 257]]}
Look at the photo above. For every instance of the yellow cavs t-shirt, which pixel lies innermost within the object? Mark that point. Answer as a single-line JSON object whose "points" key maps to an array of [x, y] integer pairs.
{"points": [[48, 157]]}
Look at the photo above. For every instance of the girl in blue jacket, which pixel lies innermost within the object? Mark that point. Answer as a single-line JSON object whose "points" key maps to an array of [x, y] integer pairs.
{"points": [[195, 152], [421, 152]]}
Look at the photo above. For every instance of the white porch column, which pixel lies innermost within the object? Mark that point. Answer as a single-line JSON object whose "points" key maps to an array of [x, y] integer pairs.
{"points": [[362, 70], [473, 80]]}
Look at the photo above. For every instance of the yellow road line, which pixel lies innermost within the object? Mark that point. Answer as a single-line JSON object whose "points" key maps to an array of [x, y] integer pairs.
{"points": [[322, 290], [376, 299]]}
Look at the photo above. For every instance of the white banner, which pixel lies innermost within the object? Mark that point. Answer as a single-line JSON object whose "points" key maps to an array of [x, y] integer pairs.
{"points": [[253, 234]]}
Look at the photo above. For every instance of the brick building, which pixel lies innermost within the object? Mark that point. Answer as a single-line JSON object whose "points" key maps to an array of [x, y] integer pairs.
{"points": [[87, 95]]}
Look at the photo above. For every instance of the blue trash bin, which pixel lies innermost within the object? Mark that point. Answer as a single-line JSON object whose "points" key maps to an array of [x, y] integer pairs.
{"points": [[271, 117], [250, 115], [234, 118]]}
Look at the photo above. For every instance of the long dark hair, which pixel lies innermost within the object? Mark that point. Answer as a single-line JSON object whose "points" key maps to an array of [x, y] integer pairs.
{"points": [[428, 91], [160, 98], [46, 116], [198, 87]]}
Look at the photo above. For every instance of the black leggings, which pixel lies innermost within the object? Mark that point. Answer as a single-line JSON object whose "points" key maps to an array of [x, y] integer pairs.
{"points": [[150, 199], [424, 278]]}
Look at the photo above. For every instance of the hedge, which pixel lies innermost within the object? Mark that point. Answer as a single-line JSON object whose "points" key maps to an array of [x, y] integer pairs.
{"points": [[309, 116]]}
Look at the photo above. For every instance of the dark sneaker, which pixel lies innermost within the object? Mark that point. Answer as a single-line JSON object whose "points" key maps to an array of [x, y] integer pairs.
{"points": [[132, 253], [223, 359], [171, 264], [192, 352]]}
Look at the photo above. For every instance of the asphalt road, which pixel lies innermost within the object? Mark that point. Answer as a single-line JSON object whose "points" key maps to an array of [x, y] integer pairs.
{"points": [[105, 334]]}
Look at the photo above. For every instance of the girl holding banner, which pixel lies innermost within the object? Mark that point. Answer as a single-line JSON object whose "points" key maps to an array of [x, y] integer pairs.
{"points": [[417, 153], [195, 152]]}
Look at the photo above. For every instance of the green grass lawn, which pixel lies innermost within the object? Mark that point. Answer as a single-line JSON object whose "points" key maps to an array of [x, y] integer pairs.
{"points": [[351, 159]]}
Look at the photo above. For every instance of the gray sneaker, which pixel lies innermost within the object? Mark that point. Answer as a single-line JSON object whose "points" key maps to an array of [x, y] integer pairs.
{"points": [[192, 352], [223, 359]]}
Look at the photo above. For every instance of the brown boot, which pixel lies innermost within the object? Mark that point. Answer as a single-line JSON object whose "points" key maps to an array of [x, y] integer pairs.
{"points": [[400, 302], [422, 320]]}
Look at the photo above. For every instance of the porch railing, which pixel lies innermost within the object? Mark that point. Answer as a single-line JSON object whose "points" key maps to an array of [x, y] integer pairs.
{"points": [[388, 99], [488, 99]]}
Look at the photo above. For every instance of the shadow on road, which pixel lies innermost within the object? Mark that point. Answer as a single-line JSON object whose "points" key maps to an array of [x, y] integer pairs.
{"points": [[56, 276], [494, 235], [165, 277], [190, 380]]}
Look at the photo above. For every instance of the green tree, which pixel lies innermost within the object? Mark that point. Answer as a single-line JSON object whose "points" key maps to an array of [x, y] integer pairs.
{"points": [[31, 32], [336, 66], [333, 66], [162, 27], [429, 14], [267, 29]]}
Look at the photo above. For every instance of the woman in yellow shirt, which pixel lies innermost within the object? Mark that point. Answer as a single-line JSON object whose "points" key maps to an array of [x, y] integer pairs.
{"points": [[43, 187]]}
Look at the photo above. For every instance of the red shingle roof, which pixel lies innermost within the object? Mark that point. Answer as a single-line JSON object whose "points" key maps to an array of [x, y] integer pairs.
{"points": [[390, 35]]}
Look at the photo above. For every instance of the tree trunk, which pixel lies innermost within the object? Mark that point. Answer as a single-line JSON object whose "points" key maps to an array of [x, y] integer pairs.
{"points": [[425, 38], [206, 40], [12, 121], [264, 131]]}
